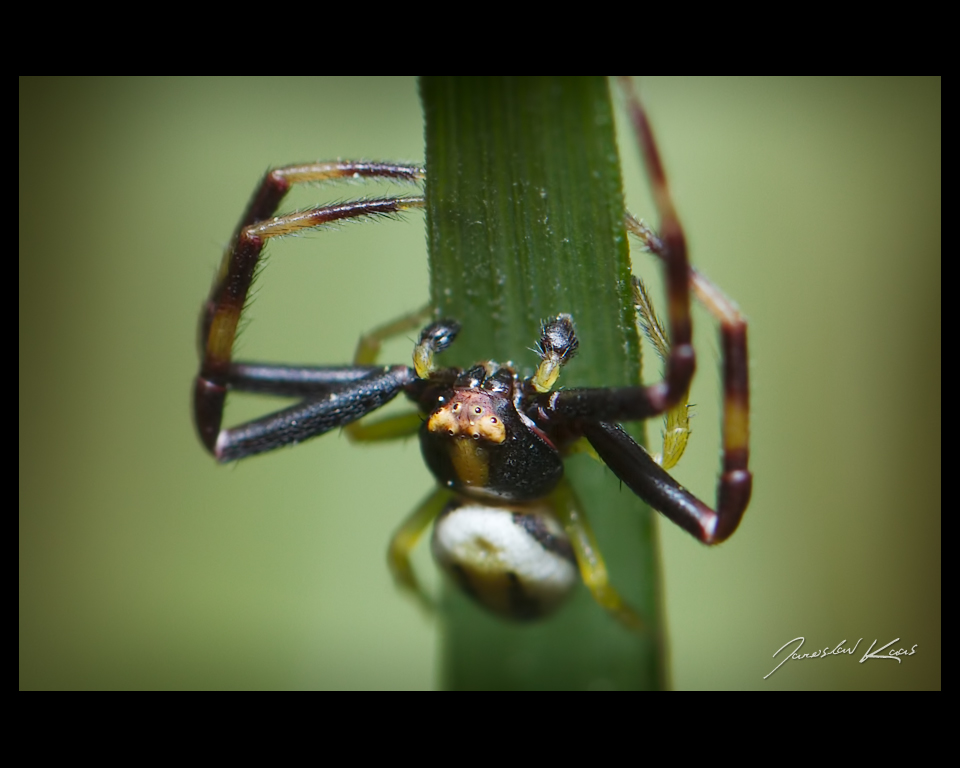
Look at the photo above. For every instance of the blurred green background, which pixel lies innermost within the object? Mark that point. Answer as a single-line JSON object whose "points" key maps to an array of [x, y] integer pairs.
{"points": [[142, 564]]}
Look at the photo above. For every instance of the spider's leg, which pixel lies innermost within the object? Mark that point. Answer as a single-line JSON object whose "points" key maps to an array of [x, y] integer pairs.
{"points": [[304, 381], [368, 348], [735, 480], [635, 467], [433, 339], [335, 396], [388, 428], [676, 421], [681, 361], [276, 183], [597, 404], [407, 537], [312, 382], [589, 409], [313, 417], [593, 570], [733, 341], [316, 382], [222, 310]]}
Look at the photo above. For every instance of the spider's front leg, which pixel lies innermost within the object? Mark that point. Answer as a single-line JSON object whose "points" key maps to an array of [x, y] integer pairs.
{"points": [[336, 396], [681, 361], [337, 407]]}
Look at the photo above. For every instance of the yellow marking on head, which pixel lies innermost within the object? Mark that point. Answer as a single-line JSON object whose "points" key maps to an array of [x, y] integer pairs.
{"points": [[470, 462], [471, 424], [443, 421], [468, 415]]}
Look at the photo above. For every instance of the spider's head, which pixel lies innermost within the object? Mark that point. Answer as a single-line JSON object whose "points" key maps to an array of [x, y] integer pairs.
{"points": [[475, 441], [474, 408]]}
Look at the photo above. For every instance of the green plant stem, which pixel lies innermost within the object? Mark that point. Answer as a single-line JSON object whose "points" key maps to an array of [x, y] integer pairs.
{"points": [[525, 220]]}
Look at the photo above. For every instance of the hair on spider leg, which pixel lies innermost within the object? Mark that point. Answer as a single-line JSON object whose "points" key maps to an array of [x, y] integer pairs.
{"points": [[405, 173], [650, 322], [378, 209], [676, 421]]}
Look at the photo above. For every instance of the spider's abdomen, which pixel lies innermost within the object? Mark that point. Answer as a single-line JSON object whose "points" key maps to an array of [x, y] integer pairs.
{"points": [[516, 561], [475, 443]]}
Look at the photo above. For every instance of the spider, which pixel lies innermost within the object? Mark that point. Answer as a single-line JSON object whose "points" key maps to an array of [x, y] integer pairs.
{"points": [[507, 527]]}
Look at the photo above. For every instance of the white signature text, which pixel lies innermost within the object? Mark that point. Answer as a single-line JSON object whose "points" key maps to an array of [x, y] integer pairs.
{"points": [[840, 650]]}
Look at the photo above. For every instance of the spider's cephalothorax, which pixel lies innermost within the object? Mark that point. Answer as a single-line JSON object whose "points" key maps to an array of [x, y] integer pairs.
{"points": [[508, 528], [477, 442]]}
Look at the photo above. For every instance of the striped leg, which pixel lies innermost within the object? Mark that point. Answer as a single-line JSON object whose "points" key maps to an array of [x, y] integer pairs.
{"points": [[681, 362], [222, 310], [736, 481]]}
